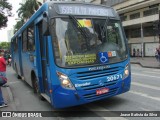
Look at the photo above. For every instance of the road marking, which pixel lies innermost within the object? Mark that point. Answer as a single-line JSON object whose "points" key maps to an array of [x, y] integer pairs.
{"points": [[146, 69], [14, 82], [145, 75], [95, 108], [144, 109], [144, 95], [146, 86], [155, 72]]}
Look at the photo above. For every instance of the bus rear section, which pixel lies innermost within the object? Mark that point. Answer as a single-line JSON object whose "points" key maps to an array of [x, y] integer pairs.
{"points": [[90, 54]]}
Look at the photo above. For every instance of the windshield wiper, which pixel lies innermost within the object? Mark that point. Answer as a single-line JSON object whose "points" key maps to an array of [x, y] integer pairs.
{"points": [[87, 36], [104, 28]]}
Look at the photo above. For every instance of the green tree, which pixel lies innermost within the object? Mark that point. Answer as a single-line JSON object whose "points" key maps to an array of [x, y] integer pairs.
{"points": [[5, 12], [28, 9], [18, 25], [25, 11], [4, 45]]}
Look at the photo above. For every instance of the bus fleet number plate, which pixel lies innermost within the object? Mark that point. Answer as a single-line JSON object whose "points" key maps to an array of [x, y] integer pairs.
{"points": [[102, 91]]}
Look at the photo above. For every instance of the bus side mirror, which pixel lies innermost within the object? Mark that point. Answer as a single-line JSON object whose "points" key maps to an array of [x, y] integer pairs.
{"points": [[45, 25]]}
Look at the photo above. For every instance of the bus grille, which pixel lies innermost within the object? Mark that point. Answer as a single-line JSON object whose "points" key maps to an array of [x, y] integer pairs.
{"points": [[93, 96], [97, 86], [97, 73]]}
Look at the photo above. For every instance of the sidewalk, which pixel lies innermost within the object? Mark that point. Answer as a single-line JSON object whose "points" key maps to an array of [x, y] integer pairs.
{"points": [[148, 62], [8, 98]]}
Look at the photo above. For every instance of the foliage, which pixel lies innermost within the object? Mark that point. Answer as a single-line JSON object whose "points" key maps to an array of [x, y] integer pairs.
{"points": [[5, 12], [18, 25], [5, 45], [28, 9], [25, 11]]}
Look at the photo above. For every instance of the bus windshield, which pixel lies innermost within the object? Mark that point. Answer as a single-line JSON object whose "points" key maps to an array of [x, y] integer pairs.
{"points": [[91, 41]]}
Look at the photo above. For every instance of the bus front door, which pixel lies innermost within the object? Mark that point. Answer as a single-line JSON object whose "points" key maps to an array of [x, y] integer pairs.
{"points": [[43, 59]]}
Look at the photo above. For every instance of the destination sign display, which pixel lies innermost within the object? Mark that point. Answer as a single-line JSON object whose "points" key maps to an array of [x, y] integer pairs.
{"points": [[83, 9]]}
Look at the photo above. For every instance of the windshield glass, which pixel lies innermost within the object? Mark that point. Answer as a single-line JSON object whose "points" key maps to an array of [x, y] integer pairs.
{"points": [[81, 42]]}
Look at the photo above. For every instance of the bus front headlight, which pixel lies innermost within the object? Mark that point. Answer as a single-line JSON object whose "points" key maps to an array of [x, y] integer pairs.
{"points": [[126, 72], [65, 82]]}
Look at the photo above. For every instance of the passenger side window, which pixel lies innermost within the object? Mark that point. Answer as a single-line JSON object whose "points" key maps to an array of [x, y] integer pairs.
{"points": [[15, 44], [31, 41], [24, 41], [28, 39]]}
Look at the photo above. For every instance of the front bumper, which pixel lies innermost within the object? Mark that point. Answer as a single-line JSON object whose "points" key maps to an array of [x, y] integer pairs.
{"points": [[66, 98]]}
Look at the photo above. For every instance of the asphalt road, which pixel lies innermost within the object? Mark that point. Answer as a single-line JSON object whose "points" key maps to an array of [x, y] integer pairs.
{"points": [[143, 96]]}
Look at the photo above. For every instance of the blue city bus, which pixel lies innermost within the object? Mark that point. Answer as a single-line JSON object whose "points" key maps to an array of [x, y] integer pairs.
{"points": [[72, 53]]}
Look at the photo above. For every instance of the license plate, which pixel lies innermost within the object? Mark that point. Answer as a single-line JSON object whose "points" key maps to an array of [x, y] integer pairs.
{"points": [[102, 91]]}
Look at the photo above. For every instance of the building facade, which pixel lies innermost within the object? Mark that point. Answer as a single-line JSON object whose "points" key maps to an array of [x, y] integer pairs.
{"points": [[140, 20]]}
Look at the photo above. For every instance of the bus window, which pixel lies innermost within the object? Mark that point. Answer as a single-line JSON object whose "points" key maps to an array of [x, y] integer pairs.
{"points": [[31, 41], [16, 44], [24, 41]]}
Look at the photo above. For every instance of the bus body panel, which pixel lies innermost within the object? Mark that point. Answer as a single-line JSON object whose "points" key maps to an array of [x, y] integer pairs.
{"points": [[28, 66], [16, 63], [16, 58]]}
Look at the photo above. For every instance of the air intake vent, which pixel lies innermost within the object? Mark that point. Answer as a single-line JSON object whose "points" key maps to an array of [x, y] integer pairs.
{"points": [[97, 73]]}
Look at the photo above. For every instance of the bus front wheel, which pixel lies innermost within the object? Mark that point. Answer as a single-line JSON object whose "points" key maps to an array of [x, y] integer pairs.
{"points": [[36, 87]]}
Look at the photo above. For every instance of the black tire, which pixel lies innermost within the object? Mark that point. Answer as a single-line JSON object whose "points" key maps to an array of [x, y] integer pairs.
{"points": [[18, 77], [36, 88]]}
